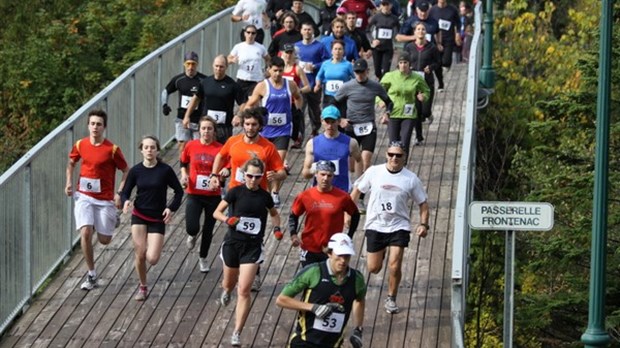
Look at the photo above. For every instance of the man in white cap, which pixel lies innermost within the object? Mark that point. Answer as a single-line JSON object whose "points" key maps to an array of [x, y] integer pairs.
{"points": [[332, 291]]}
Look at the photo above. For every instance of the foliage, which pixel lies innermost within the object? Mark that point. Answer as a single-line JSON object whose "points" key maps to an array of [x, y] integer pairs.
{"points": [[55, 58], [536, 143]]}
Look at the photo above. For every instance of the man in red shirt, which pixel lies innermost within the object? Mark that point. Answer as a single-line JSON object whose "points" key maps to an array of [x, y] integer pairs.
{"points": [[324, 206], [363, 8], [95, 201]]}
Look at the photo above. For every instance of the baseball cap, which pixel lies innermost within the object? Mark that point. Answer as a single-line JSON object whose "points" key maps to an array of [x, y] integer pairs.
{"points": [[288, 47], [404, 56], [386, 2], [325, 165], [423, 6], [341, 10], [330, 111], [193, 56], [341, 244], [360, 65]]}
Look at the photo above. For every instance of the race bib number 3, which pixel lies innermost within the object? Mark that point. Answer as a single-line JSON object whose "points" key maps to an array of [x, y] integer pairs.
{"points": [[332, 323], [90, 185], [276, 120], [249, 225], [218, 116], [362, 129]]}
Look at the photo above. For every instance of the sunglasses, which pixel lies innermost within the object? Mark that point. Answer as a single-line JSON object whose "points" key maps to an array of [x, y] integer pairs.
{"points": [[251, 32], [254, 176], [397, 155]]}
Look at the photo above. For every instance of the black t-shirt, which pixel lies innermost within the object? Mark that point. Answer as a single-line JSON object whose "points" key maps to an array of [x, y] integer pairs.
{"points": [[383, 24], [447, 20], [187, 87], [251, 207], [219, 96], [326, 16]]}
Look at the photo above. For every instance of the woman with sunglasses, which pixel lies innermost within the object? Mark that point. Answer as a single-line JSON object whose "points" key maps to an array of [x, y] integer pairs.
{"points": [[391, 187], [251, 12], [242, 250], [150, 212], [251, 57]]}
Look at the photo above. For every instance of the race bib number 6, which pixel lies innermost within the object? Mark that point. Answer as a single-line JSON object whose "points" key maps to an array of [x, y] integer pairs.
{"points": [[90, 185]]}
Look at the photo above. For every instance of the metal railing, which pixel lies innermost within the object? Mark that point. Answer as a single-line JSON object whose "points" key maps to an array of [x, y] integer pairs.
{"points": [[461, 238], [36, 217]]}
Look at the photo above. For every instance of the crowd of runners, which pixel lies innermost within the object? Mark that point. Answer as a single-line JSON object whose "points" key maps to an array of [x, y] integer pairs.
{"points": [[234, 136]]}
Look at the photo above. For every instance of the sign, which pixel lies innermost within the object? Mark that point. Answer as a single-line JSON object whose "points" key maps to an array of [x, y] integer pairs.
{"points": [[514, 216]]}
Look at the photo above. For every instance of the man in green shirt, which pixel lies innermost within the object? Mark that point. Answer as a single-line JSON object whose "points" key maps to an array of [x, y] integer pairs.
{"points": [[407, 90], [331, 292]]}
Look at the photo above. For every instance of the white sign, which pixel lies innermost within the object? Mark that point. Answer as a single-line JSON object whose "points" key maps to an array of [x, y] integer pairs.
{"points": [[512, 216]]}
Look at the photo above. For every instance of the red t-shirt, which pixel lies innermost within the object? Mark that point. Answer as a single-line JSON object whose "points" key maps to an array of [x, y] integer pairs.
{"points": [[361, 8], [237, 152], [200, 158], [324, 215], [98, 170]]}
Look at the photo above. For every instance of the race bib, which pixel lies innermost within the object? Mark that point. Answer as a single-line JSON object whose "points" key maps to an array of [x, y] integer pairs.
{"points": [[333, 86], [185, 99], [387, 206], [358, 22], [428, 37], [444, 24], [249, 225], [290, 78], [90, 185], [247, 67], [421, 73], [332, 323], [408, 110], [384, 34], [276, 119], [305, 66], [362, 129], [218, 116], [240, 175], [202, 182]]}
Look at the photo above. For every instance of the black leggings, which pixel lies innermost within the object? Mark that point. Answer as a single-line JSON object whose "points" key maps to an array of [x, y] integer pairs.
{"points": [[401, 129], [195, 205]]}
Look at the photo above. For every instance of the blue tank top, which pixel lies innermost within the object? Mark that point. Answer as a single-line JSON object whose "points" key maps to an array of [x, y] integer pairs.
{"points": [[278, 102], [336, 150]]}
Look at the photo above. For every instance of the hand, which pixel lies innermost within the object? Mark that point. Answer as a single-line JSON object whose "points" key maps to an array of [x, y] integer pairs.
{"points": [[236, 121], [295, 240], [375, 43], [421, 231], [385, 119], [186, 122], [427, 69], [317, 88], [344, 122], [166, 109], [214, 183], [271, 176], [356, 338], [225, 172], [324, 310], [184, 181], [420, 97], [117, 200], [128, 205], [368, 54], [232, 221], [69, 190], [440, 47], [167, 215], [277, 233]]}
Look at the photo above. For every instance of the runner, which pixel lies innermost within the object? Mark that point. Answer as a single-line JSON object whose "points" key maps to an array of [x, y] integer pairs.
{"points": [[95, 201], [388, 223], [250, 56]]}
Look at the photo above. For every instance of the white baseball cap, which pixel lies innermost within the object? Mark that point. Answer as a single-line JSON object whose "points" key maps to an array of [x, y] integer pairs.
{"points": [[341, 244]]}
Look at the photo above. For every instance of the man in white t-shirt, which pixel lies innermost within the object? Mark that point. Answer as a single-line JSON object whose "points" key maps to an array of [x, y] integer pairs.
{"points": [[388, 222], [251, 12], [251, 57]]}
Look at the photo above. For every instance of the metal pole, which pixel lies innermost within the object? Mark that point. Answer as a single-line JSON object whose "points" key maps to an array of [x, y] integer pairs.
{"points": [[487, 73], [596, 335], [509, 288]]}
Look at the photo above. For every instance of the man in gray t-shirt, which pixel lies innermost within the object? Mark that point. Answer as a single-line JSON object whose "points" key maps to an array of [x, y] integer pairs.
{"points": [[359, 95]]}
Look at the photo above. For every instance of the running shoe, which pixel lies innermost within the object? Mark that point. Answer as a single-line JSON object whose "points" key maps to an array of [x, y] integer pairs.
{"points": [[235, 340], [90, 283], [390, 305], [141, 295], [204, 265], [256, 283], [190, 242], [224, 298]]}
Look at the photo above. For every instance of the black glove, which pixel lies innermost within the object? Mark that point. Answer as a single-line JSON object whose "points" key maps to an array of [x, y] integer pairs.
{"points": [[324, 310], [356, 338], [166, 109]]}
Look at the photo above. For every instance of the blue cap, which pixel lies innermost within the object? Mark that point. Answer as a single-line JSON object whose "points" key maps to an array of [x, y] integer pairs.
{"points": [[191, 56], [330, 112]]}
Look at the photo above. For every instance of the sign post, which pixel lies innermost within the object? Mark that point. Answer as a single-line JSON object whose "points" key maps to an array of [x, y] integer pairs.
{"points": [[510, 217]]}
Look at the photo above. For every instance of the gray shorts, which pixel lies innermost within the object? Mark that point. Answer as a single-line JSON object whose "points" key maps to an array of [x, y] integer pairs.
{"points": [[185, 134]]}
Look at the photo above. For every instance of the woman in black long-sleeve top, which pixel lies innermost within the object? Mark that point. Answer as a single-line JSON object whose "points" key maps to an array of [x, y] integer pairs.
{"points": [[149, 210], [425, 59]]}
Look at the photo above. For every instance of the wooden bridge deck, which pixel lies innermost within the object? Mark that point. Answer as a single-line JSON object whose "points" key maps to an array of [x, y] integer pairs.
{"points": [[181, 309]]}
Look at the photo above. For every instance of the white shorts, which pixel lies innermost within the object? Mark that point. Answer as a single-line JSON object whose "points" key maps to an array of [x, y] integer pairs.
{"points": [[90, 211], [185, 134]]}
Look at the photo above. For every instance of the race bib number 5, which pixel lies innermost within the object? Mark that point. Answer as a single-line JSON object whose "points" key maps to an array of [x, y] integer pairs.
{"points": [[332, 323]]}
